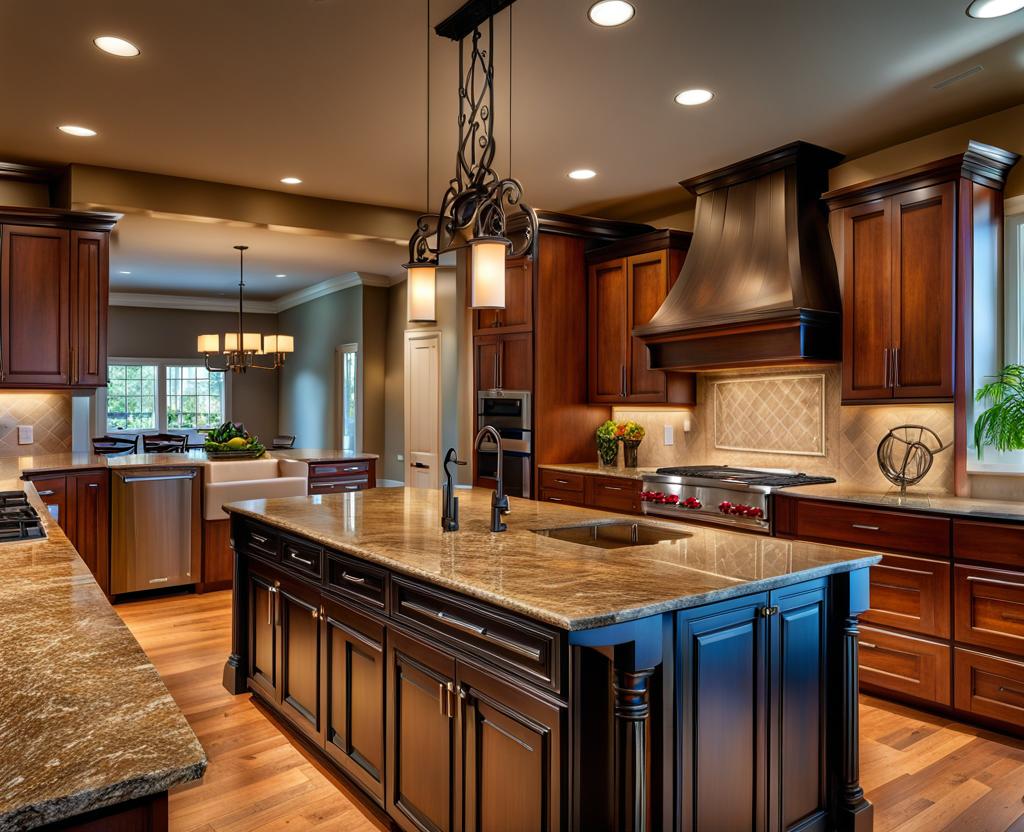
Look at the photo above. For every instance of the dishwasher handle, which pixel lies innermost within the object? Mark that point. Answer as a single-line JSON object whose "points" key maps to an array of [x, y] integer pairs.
{"points": [[159, 478]]}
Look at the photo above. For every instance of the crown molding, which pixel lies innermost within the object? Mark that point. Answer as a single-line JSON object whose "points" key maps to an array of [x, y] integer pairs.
{"points": [[264, 307]]}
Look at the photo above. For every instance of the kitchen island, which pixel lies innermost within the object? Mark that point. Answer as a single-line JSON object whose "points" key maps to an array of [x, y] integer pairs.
{"points": [[703, 679]]}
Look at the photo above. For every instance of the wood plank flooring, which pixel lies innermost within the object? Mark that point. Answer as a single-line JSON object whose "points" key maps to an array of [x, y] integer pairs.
{"points": [[923, 773]]}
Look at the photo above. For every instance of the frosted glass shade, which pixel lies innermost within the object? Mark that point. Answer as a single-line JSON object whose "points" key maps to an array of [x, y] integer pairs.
{"points": [[278, 343], [487, 273], [421, 292], [208, 343]]}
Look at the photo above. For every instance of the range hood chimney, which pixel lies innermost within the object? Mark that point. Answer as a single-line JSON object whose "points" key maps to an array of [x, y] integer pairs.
{"points": [[758, 286]]}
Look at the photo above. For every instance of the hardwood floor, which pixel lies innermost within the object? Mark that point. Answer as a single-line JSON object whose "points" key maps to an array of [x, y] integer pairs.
{"points": [[923, 773]]}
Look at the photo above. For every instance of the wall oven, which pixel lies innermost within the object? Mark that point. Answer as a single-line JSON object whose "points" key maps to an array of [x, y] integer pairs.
{"points": [[511, 413]]}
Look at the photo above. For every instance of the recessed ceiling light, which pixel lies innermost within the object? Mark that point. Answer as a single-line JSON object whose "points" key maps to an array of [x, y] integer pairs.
{"points": [[582, 173], [117, 46], [611, 12], [985, 9], [691, 98], [76, 130], [280, 275], [124, 272], [292, 180]]}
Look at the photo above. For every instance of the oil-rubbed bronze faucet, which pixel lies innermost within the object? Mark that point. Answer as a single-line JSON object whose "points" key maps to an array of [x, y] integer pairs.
{"points": [[449, 502], [499, 502]]}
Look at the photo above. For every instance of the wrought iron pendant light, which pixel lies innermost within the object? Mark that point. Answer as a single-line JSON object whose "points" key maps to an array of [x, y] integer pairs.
{"points": [[241, 348], [477, 205]]}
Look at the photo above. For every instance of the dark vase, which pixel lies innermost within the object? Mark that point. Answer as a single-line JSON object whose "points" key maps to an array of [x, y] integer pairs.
{"points": [[629, 451]]}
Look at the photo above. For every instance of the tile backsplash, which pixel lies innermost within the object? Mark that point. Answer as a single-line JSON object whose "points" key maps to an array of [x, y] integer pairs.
{"points": [[49, 414], [788, 418]]}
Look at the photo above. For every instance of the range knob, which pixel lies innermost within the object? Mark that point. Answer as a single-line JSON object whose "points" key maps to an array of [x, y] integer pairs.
{"points": [[725, 507], [692, 502]]}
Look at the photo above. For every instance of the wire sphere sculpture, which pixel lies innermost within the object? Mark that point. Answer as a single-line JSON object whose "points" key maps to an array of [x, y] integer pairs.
{"points": [[906, 453]]}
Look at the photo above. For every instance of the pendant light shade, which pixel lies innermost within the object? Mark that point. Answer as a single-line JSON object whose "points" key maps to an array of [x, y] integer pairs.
{"points": [[421, 297], [487, 272], [209, 343], [278, 343]]}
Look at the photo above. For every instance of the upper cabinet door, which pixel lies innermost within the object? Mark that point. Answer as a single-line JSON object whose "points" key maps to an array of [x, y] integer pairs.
{"points": [[609, 331], [517, 316], [648, 286], [867, 300], [923, 298], [34, 299], [90, 289]]}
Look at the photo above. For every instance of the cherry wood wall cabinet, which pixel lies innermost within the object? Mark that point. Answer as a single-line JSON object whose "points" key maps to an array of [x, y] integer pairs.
{"points": [[946, 624], [80, 501], [54, 294], [449, 713], [627, 283], [905, 247]]}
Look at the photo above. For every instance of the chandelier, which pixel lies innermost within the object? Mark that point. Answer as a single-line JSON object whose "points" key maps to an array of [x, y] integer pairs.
{"points": [[476, 207], [242, 349]]}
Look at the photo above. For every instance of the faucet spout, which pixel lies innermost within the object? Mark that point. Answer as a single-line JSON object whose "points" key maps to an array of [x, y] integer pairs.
{"points": [[499, 500]]}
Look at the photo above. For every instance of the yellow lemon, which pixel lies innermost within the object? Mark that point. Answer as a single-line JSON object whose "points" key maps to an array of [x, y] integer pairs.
{"points": [[237, 442]]}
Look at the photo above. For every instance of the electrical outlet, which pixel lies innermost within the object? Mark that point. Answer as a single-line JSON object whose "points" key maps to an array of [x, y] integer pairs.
{"points": [[401, 457], [24, 434], [670, 435]]}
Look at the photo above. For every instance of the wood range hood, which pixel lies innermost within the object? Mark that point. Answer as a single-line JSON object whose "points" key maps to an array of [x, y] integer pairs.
{"points": [[758, 286]]}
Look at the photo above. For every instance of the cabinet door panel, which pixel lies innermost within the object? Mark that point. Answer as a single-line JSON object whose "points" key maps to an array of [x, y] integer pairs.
{"points": [[34, 296], [609, 335], [90, 281], [648, 286], [910, 594], [486, 361], [421, 752], [515, 364], [354, 694], [905, 664], [91, 537], [53, 492], [264, 616], [511, 769], [722, 663], [300, 657], [517, 316], [923, 306], [990, 686], [867, 299], [990, 608]]}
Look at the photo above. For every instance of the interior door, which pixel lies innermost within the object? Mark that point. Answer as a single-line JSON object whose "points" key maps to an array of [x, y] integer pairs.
{"points": [[923, 303], [422, 409], [648, 286], [608, 331]]}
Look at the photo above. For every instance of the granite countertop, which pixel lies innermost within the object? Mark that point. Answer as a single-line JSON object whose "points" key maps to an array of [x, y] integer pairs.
{"points": [[595, 469], [85, 720], [920, 501], [569, 585]]}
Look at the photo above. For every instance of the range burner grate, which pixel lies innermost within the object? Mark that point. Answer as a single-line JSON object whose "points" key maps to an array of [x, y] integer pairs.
{"points": [[18, 519]]}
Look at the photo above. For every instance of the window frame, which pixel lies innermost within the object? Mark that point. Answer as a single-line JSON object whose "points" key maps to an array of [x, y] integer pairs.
{"points": [[161, 395], [339, 373], [102, 413]]}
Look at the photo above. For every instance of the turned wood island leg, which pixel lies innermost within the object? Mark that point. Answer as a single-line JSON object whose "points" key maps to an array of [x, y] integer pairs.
{"points": [[236, 668]]}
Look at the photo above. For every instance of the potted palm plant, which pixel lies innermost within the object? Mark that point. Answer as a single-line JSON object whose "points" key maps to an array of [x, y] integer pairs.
{"points": [[1002, 424]]}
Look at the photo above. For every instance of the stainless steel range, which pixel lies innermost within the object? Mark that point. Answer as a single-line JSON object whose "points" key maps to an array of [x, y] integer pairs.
{"points": [[719, 493]]}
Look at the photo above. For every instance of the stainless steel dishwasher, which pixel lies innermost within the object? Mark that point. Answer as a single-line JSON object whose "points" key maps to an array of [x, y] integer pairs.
{"points": [[154, 529]]}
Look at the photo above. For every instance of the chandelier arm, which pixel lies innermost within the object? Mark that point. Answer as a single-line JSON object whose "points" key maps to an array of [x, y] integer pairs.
{"points": [[209, 367]]}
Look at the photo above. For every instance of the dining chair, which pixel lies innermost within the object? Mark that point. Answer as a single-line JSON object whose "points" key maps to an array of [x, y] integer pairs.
{"points": [[164, 443], [115, 445], [284, 440]]}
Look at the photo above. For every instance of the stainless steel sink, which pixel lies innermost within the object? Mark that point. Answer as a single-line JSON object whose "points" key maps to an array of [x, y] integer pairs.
{"points": [[617, 534]]}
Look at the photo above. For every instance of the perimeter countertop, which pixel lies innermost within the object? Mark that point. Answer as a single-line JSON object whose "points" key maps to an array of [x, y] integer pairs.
{"points": [[85, 720], [594, 469], [569, 585]]}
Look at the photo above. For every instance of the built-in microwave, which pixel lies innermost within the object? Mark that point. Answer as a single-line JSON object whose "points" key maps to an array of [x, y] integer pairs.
{"points": [[510, 413]]}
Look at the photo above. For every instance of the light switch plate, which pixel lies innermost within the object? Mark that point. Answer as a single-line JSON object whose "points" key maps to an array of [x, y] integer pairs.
{"points": [[24, 434], [670, 435]]}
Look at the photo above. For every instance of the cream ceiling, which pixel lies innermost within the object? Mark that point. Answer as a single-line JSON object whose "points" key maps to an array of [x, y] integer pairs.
{"points": [[333, 91]]}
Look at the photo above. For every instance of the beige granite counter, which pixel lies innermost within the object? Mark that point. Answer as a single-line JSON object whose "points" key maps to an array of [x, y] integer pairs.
{"points": [[85, 720], [595, 469], [569, 585], [920, 501]]}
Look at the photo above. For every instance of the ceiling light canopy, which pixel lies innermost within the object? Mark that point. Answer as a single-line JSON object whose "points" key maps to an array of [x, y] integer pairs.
{"points": [[985, 9], [609, 13], [76, 130], [291, 180], [691, 98], [117, 46], [582, 173]]}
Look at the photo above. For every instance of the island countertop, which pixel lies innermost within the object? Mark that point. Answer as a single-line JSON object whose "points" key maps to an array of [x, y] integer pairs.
{"points": [[569, 585], [85, 720]]}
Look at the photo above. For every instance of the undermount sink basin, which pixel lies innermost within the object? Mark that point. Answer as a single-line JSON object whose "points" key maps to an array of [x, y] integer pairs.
{"points": [[618, 534]]}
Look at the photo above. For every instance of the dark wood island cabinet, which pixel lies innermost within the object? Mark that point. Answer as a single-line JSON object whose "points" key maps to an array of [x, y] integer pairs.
{"points": [[461, 684]]}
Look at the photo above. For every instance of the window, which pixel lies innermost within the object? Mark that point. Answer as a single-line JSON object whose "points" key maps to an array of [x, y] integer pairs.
{"points": [[194, 398], [132, 397], [161, 395], [349, 415]]}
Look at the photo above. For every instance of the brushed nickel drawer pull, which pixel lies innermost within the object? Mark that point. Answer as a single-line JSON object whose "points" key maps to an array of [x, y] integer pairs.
{"points": [[354, 579], [93, 485], [158, 580], [612, 487], [257, 537], [352, 468], [46, 492], [294, 555], [869, 645], [979, 579], [555, 499], [866, 527], [562, 482], [1004, 689], [442, 698], [475, 629]]}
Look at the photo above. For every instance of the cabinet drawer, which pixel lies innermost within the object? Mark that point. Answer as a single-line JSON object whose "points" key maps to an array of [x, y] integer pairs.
{"points": [[259, 540], [319, 470], [910, 594], [524, 647], [989, 608], [887, 531], [905, 664], [357, 580], [614, 493], [339, 485], [993, 542], [561, 481], [303, 557], [553, 495], [990, 686]]}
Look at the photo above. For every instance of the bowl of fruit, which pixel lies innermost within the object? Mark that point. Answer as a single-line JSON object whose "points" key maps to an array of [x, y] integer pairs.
{"points": [[232, 441]]}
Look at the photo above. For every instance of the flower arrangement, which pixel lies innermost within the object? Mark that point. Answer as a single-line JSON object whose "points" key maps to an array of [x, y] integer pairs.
{"points": [[608, 443], [610, 433], [630, 431]]}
